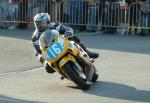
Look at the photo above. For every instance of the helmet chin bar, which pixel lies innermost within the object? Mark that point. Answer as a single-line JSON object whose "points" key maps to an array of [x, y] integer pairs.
{"points": [[41, 29]]}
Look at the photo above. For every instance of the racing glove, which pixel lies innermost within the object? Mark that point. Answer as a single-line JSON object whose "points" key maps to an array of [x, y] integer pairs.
{"points": [[41, 59]]}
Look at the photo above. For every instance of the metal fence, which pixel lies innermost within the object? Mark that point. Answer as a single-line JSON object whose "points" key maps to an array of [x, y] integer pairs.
{"points": [[112, 15], [24, 11], [80, 13], [138, 18]]}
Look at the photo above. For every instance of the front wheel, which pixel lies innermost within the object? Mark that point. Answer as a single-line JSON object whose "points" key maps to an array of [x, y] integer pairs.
{"points": [[74, 76]]}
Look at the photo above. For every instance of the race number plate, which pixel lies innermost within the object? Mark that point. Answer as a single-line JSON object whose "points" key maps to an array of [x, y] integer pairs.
{"points": [[55, 49]]}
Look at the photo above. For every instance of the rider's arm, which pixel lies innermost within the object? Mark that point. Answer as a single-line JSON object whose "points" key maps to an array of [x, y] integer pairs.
{"points": [[35, 43], [67, 31]]}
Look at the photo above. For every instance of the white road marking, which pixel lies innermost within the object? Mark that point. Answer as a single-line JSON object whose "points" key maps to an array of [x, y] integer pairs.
{"points": [[9, 73]]}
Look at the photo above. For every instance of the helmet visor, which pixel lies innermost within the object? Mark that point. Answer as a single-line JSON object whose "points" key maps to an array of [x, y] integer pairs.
{"points": [[41, 26], [39, 23]]}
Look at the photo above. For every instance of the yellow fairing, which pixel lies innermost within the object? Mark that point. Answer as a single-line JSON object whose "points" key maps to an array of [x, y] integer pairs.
{"points": [[75, 51], [69, 57], [66, 46], [66, 59]]}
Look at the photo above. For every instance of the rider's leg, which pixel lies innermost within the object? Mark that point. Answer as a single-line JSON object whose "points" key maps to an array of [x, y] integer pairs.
{"points": [[91, 54]]}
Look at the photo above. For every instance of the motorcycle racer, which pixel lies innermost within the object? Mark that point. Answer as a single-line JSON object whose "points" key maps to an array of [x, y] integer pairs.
{"points": [[42, 22]]}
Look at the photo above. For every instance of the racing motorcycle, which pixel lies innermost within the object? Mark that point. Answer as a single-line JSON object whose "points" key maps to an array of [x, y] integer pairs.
{"points": [[71, 62]]}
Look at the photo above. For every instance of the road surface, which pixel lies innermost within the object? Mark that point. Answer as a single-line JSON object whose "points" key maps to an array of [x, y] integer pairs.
{"points": [[124, 67]]}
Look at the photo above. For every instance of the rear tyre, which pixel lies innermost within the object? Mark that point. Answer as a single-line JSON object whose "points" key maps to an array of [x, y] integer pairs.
{"points": [[75, 77], [95, 75]]}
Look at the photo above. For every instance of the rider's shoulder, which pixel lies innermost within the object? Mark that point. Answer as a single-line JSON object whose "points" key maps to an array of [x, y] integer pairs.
{"points": [[36, 33], [55, 24], [35, 36]]}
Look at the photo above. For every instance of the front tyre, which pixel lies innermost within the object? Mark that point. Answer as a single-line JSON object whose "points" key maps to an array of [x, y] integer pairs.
{"points": [[74, 76]]}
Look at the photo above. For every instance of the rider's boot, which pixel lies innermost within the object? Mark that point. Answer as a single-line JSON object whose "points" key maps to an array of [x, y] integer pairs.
{"points": [[91, 54]]}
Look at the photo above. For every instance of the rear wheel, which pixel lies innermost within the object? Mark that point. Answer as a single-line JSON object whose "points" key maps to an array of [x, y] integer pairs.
{"points": [[69, 69], [95, 75]]}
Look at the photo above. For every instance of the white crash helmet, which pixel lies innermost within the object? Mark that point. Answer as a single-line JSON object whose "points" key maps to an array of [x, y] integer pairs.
{"points": [[40, 19]]}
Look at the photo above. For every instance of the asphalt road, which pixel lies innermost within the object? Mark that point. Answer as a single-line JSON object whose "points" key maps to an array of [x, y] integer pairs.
{"points": [[123, 67]]}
